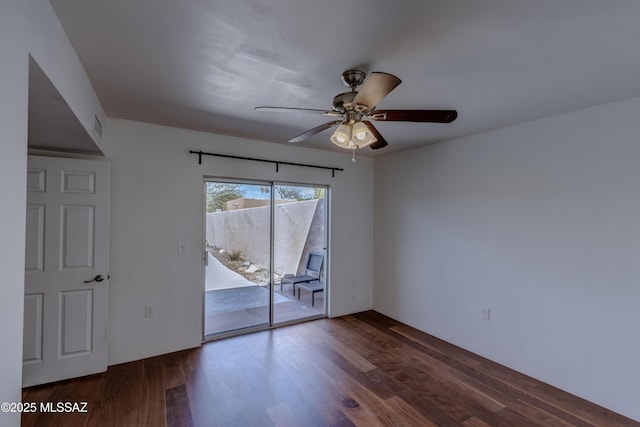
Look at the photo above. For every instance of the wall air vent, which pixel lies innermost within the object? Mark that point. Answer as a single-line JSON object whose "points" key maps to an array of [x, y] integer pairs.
{"points": [[97, 127]]}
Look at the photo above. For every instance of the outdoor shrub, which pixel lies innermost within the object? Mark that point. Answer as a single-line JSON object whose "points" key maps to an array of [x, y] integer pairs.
{"points": [[235, 256]]}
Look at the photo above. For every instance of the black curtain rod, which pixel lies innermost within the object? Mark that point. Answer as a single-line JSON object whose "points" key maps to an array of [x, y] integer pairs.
{"points": [[276, 162]]}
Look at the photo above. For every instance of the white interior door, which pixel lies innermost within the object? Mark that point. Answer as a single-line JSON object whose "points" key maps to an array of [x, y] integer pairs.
{"points": [[66, 277]]}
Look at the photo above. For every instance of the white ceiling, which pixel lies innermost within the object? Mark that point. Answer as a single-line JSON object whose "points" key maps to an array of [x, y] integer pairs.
{"points": [[205, 64]]}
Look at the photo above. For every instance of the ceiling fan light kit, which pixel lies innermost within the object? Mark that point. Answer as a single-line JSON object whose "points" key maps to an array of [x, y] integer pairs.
{"points": [[351, 136], [355, 109]]}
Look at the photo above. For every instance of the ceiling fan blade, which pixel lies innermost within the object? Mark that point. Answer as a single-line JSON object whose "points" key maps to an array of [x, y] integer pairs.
{"points": [[431, 116], [315, 130], [377, 86], [291, 109], [381, 142]]}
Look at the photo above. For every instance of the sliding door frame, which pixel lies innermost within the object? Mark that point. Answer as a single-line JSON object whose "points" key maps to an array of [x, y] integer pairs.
{"points": [[326, 248]]}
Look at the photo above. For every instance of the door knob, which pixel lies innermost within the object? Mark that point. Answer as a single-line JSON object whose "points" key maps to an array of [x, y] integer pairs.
{"points": [[99, 278]]}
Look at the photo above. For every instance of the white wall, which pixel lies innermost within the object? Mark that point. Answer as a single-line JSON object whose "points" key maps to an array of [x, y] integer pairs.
{"points": [[13, 164], [539, 222], [157, 201], [26, 27]]}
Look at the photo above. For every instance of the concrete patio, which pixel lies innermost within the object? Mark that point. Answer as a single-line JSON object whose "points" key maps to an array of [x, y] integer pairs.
{"points": [[233, 302]]}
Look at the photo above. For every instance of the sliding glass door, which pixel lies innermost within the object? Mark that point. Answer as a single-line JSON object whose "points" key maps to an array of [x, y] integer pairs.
{"points": [[260, 238], [238, 256], [299, 251]]}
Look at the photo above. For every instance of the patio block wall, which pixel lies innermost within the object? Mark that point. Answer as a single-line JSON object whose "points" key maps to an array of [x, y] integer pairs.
{"points": [[247, 231]]}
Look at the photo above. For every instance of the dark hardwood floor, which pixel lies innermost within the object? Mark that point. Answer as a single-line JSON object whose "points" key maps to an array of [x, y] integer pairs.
{"points": [[364, 369]]}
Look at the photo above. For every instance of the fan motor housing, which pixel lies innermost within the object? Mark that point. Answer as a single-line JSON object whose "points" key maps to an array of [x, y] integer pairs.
{"points": [[344, 101]]}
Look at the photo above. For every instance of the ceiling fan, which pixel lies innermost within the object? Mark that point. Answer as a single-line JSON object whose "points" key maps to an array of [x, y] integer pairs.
{"points": [[354, 110]]}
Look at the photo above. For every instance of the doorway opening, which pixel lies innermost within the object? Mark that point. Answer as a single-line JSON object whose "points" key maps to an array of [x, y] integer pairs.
{"points": [[258, 236]]}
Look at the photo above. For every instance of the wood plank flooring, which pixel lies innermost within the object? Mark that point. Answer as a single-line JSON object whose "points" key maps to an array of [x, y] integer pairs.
{"points": [[363, 370]]}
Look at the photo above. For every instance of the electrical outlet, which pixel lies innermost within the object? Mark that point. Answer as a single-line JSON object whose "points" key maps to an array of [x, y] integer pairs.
{"points": [[486, 314], [148, 311]]}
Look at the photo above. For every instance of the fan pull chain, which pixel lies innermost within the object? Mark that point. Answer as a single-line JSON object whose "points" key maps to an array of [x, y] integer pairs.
{"points": [[353, 157]]}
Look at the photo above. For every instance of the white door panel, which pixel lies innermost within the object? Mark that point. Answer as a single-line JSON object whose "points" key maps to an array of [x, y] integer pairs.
{"points": [[65, 318]]}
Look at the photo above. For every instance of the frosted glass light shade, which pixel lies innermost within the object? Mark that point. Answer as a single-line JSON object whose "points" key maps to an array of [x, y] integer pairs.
{"points": [[342, 137], [361, 135]]}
